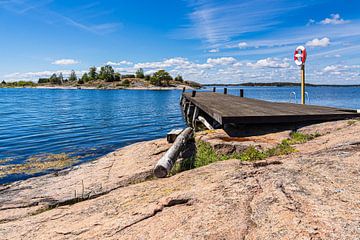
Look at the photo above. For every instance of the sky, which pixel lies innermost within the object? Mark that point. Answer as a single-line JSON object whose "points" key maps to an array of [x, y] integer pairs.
{"points": [[208, 41]]}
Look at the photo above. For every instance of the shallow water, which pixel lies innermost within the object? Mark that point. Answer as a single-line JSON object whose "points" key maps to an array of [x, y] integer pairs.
{"points": [[87, 124]]}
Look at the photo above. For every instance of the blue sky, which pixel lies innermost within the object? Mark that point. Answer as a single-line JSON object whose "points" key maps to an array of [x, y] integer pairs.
{"points": [[206, 41]]}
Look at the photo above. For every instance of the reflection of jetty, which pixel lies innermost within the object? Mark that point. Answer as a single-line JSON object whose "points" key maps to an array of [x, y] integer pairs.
{"points": [[219, 109]]}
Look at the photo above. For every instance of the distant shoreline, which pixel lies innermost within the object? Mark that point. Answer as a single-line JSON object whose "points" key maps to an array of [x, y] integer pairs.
{"points": [[280, 84]]}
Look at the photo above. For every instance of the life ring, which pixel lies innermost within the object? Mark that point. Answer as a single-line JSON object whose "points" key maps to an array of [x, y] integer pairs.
{"points": [[300, 55]]}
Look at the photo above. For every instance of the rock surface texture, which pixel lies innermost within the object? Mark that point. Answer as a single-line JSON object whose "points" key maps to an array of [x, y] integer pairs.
{"points": [[313, 193]]}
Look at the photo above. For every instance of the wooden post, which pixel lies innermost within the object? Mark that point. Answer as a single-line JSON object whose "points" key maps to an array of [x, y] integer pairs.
{"points": [[183, 89], [193, 94], [241, 92], [214, 89], [165, 163], [206, 123], [195, 115], [303, 84], [225, 90]]}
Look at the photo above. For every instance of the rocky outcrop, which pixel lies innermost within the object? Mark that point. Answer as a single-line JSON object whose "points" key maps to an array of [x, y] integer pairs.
{"points": [[311, 194]]}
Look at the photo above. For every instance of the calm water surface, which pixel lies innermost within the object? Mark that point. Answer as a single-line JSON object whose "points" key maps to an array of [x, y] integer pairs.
{"points": [[91, 123]]}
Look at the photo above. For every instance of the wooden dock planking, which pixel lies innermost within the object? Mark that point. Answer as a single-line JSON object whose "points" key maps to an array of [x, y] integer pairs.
{"points": [[233, 109]]}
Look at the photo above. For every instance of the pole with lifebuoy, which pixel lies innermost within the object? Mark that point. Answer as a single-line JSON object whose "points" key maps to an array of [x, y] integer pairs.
{"points": [[300, 58]]}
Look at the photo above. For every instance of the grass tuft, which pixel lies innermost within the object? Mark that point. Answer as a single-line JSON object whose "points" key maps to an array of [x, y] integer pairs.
{"points": [[206, 155]]}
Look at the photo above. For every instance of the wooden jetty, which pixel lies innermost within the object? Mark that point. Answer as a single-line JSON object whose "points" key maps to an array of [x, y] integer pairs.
{"points": [[220, 109]]}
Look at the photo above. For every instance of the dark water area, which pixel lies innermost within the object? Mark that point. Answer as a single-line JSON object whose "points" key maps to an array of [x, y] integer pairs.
{"points": [[91, 123]]}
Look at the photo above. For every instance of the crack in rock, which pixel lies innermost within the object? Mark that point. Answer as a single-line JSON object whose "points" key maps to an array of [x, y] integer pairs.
{"points": [[160, 208]]}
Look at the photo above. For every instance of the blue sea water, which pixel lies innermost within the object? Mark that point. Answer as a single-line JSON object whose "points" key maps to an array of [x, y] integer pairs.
{"points": [[91, 123]]}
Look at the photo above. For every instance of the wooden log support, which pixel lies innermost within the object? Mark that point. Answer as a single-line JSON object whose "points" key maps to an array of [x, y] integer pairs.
{"points": [[193, 94], [164, 165], [206, 123], [194, 117], [172, 135], [241, 92], [214, 89], [225, 90], [189, 113]]}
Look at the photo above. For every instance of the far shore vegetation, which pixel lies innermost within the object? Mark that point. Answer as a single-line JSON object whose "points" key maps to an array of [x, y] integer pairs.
{"points": [[107, 77]]}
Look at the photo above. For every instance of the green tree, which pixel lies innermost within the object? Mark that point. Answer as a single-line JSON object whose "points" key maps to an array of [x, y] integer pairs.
{"points": [[140, 73], [61, 78], [73, 76], [147, 77], [93, 74], [85, 78], [179, 78], [3, 82], [43, 80], [117, 77], [107, 73], [161, 78], [54, 79]]}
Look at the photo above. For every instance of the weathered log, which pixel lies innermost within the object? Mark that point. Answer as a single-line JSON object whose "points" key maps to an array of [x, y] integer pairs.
{"points": [[165, 164], [206, 123], [172, 135]]}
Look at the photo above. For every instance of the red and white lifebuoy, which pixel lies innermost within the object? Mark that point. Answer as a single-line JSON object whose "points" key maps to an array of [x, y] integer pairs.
{"points": [[300, 55]]}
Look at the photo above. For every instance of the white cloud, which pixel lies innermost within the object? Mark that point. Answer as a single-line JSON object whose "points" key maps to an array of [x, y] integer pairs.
{"points": [[221, 61], [242, 45], [226, 70], [119, 63], [34, 76], [340, 68], [65, 62], [166, 63], [214, 50], [324, 42], [270, 63], [334, 19], [331, 68]]}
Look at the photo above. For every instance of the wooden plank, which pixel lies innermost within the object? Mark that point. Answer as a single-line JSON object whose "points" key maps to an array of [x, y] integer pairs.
{"points": [[233, 109]]}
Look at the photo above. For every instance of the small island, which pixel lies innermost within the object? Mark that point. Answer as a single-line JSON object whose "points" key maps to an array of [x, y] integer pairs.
{"points": [[107, 78]]}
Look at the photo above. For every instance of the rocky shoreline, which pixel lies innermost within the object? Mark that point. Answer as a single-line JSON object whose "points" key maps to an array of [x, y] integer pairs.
{"points": [[312, 193]]}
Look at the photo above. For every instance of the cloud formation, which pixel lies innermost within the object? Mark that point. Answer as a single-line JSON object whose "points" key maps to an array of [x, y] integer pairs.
{"points": [[226, 70], [334, 19], [119, 63], [324, 42], [65, 62], [242, 45]]}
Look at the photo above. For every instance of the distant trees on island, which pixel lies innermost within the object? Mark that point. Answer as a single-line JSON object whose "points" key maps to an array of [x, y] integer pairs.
{"points": [[107, 74]]}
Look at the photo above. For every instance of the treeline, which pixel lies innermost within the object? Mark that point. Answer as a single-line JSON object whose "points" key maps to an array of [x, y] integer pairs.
{"points": [[107, 74], [17, 84]]}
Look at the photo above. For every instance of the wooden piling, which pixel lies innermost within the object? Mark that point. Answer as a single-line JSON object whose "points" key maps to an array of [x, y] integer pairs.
{"points": [[193, 94], [241, 92], [225, 90], [214, 89]]}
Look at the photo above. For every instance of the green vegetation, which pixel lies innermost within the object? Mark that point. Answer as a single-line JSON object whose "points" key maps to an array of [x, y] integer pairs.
{"points": [[205, 154], [352, 122], [105, 79], [39, 163], [297, 138], [140, 73], [160, 78], [73, 77], [179, 78], [107, 73]]}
